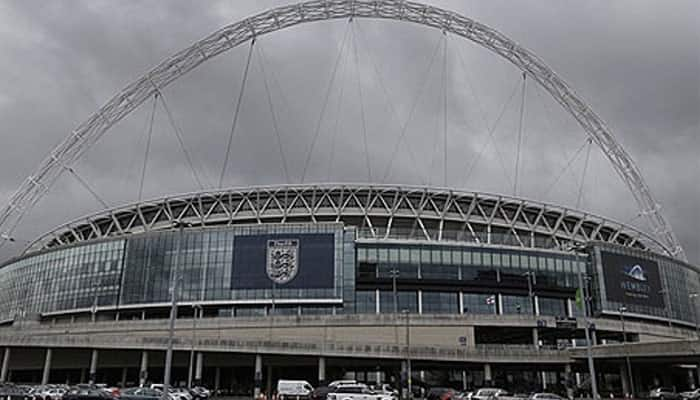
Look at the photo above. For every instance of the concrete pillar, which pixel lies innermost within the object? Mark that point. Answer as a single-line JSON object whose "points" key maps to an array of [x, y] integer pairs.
{"points": [[536, 338], [464, 380], [469, 335], [624, 379], [420, 301], [268, 386], [93, 366], [124, 372], [258, 375], [321, 371], [143, 368], [544, 379], [5, 365], [691, 379], [199, 365], [47, 367], [404, 380], [487, 375], [217, 378], [569, 381]]}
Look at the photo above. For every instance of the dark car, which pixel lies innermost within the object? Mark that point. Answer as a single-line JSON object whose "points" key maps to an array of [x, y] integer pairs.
{"points": [[440, 393], [140, 393], [320, 393], [87, 394], [664, 393]]}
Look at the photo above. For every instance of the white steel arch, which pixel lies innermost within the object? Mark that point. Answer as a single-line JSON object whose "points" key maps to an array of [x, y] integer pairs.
{"points": [[119, 106]]}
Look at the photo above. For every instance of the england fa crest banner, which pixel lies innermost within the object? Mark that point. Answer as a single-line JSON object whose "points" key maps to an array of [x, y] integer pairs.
{"points": [[282, 260]]}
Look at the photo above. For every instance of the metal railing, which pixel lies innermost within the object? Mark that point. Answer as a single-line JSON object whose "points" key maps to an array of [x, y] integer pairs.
{"points": [[326, 348]]}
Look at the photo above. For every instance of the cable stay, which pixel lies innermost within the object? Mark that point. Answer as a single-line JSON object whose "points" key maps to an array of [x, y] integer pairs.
{"points": [[234, 123], [573, 158], [149, 135], [362, 104], [436, 154], [444, 114], [178, 135], [487, 130], [392, 107], [325, 102], [336, 124], [490, 138], [274, 117], [520, 136], [417, 96], [583, 174], [86, 186]]}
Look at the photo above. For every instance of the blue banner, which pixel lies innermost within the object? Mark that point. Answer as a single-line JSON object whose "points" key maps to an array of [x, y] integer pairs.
{"points": [[287, 261]]}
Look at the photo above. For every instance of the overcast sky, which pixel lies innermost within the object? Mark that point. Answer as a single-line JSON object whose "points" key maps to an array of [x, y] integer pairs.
{"points": [[636, 62]]}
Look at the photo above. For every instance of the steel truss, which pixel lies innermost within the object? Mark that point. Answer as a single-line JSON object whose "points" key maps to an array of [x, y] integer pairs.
{"points": [[87, 133], [378, 211]]}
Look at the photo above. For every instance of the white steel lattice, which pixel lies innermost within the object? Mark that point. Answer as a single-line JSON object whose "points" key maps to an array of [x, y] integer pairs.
{"points": [[87, 133], [378, 211]]}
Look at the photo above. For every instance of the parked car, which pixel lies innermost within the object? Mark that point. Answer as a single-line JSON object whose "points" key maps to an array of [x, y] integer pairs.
{"points": [[181, 394], [545, 396], [140, 393], [87, 394], [441, 393], [343, 382], [691, 395], [664, 393], [50, 393], [386, 389], [321, 393], [12, 392], [291, 389], [488, 393], [200, 392], [357, 392]]}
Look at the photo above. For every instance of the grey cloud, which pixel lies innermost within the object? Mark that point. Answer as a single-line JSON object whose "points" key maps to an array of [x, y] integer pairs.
{"points": [[636, 62]]}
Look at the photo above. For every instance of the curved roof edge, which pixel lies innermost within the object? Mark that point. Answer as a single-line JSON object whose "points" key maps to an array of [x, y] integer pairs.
{"points": [[379, 210]]}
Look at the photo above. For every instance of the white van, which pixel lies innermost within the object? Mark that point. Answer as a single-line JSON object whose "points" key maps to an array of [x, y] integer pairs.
{"points": [[293, 390]]}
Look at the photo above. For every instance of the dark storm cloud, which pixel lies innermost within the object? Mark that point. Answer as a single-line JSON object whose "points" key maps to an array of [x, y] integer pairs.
{"points": [[636, 62]]}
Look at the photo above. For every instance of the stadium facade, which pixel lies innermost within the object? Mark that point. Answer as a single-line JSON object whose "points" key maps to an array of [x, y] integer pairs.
{"points": [[353, 280]]}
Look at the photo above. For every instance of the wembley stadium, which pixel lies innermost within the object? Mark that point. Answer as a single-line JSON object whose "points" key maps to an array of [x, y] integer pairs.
{"points": [[487, 285], [416, 286]]}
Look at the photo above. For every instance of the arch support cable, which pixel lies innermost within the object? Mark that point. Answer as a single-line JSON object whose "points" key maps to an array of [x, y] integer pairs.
{"points": [[87, 187], [149, 135], [325, 102], [180, 140], [520, 136], [234, 123], [583, 175], [275, 123]]}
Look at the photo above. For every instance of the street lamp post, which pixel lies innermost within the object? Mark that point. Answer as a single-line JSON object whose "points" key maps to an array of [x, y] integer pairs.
{"points": [[693, 297], [394, 275], [173, 308], [408, 353], [622, 310], [589, 354], [196, 308], [530, 293]]}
